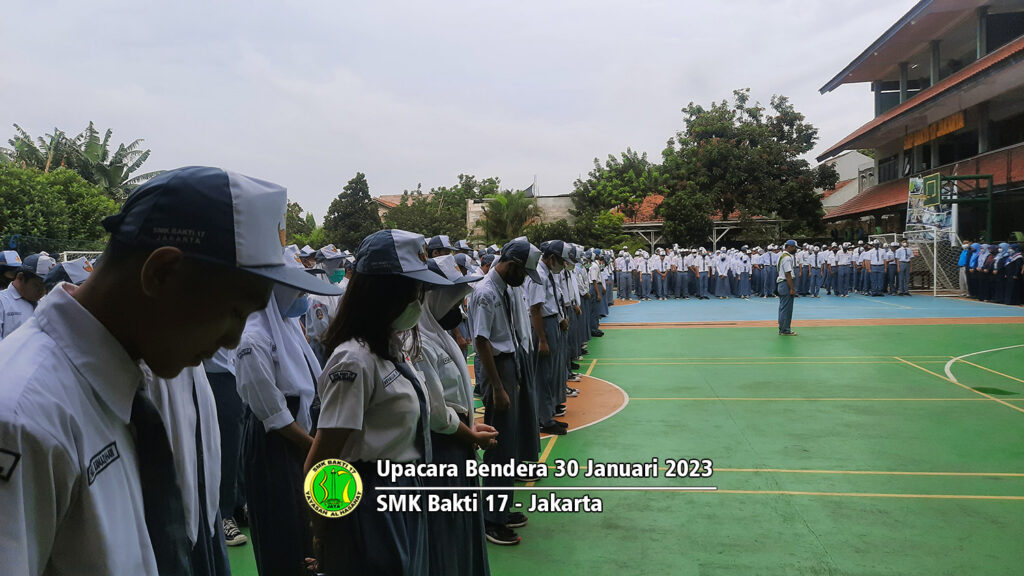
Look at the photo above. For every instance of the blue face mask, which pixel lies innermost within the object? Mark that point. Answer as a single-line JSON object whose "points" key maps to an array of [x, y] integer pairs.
{"points": [[298, 307]]}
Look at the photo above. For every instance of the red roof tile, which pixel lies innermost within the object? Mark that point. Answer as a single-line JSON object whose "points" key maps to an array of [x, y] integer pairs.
{"points": [[645, 212], [886, 195], [839, 186], [932, 92]]}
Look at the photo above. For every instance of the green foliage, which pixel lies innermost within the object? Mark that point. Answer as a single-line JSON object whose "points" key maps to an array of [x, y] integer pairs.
{"points": [[351, 216], [620, 183], [298, 225], [315, 238], [442, 210], [507, 214], [557, 230], [59, 207], [741, 158], [603, 230], [87, 154]]}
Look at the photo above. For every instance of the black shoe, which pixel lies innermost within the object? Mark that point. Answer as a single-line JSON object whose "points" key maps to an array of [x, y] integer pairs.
{"points": [[560, 423], [501, 535], [560, 411], [597, 334], [516, 520], [574, 366], [553, 429]]}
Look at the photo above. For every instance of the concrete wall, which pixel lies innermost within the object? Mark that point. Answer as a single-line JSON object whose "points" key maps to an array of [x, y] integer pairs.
{"points": [[553, 208]]}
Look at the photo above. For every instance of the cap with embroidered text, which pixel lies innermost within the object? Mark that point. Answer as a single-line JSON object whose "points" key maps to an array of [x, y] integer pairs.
{"points": [[220, 217]]}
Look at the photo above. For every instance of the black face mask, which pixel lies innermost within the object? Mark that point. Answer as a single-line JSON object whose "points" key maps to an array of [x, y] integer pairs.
{"points": [[451, 320]]}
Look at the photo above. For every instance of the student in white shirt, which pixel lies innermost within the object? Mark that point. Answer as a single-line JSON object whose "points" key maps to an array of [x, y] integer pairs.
{"points": [[903, 256], [375, 407], [456, 541], [275, 371], [18, 301], [497, 341], [194, 251], [786, 289]]}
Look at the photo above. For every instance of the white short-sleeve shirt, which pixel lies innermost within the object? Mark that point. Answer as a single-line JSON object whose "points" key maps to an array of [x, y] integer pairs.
{"points": [[70, 493], [14, 310], [785, 265], [363, 392]]}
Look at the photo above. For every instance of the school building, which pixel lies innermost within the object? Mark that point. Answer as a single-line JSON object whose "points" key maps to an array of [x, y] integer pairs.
{"points": [[948, 86]]}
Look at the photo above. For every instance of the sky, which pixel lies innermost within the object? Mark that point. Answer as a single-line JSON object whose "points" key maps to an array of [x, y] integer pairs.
{"points": [[308, 93]]}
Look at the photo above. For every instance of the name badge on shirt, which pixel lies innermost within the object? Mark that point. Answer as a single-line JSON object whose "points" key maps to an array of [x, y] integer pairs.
{"points": [[395, 374], [102, 460]]}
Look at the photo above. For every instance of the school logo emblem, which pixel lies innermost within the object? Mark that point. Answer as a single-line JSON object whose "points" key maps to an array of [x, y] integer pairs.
{"points": [[333, 488]]}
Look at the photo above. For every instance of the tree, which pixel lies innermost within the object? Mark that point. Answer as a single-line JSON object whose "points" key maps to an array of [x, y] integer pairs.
{"points": [[557, 230], [351, 216], [507, 214], [54, 211], [443, 210], [87, 154], [111, 172], [298, 225], [741, 159], [621, 183]]}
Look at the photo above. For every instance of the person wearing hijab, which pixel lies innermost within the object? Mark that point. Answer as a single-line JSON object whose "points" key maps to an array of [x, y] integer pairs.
{"points": [[1012, 283], [999, 273], [456, 539], [984, 272], [374, 407], [275, 372], [972, 273]]}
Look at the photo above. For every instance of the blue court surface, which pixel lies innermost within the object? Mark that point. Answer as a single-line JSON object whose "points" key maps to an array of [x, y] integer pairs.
{"points": [[823, 308]]}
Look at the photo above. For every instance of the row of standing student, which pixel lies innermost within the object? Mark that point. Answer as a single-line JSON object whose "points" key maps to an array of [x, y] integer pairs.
{"points": [[837, 269], [530, 319], [992, 272]]}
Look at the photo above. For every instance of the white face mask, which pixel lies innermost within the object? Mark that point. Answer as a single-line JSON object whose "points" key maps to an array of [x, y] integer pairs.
{"points": [[408, 318]]}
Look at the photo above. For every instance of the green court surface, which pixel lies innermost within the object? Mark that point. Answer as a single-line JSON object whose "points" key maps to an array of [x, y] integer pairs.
{"points": [[836, 452], [845, 450]]}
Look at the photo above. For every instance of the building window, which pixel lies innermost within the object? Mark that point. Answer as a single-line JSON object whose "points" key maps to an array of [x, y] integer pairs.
{"points": [[888, 168]]}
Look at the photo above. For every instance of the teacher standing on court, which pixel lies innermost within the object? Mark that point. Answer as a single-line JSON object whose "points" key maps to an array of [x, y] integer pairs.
{"points": [[784, 287]]}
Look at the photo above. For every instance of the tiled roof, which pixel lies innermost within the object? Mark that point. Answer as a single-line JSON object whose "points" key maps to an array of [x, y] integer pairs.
{"points": [[931, 93], [839, 186], [645, 213], [886, 195]]}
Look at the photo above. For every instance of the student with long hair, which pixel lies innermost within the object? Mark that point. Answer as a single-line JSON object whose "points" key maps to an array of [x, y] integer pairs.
{"points": [[456, 539], [374, 407]]}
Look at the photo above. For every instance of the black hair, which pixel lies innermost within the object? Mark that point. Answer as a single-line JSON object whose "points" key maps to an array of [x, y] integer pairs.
{"points": [[370, 304]]}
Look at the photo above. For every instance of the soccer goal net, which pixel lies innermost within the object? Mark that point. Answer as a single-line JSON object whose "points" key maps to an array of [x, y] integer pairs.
{"points": [[936, 255]]}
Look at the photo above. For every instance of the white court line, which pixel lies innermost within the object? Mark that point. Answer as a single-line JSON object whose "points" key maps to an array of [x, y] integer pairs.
{"points": [[625, 400], [949, 365]]}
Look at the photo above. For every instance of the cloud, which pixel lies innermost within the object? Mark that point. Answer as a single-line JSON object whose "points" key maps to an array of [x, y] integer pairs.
{"points": [[309, 93]]}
